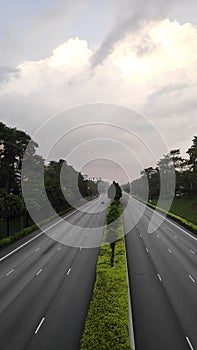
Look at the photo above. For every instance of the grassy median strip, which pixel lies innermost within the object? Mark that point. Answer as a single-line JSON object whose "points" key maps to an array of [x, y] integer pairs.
{"points": [[182, 221], [107, 323]]}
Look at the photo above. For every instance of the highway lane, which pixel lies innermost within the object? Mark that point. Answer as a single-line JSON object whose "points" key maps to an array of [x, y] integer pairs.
{"points": [[46, 287], [163, 282]]}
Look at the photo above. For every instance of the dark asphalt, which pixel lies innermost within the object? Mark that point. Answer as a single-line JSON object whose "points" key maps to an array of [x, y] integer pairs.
{"points": [[46, 287], [162, 269]]}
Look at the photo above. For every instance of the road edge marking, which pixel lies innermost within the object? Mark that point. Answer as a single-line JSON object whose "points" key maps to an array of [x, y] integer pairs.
{"points": [[168, 220], [32, 239]]}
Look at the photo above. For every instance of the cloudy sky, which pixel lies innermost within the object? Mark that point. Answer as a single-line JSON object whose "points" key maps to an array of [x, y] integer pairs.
{"points": [[142, 55]]}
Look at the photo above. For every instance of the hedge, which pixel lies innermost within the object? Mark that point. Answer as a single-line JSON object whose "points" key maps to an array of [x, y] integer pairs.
{"points": [[107, 322]]}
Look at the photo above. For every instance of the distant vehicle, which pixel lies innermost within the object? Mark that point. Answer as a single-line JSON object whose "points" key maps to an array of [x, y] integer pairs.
{"points": [[102, 202]]}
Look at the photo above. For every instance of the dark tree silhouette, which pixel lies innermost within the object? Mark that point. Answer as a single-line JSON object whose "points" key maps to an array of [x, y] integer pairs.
{"points": [[114, 191]]}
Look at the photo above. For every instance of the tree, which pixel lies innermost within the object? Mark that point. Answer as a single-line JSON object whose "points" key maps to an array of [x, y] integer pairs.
{"points": [[114, 191], [11, 206], [192, 151], [13, 144]]}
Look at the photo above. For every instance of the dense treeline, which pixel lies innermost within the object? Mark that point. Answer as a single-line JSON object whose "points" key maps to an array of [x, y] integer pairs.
{"points": [[13, 144], [185, 171]]}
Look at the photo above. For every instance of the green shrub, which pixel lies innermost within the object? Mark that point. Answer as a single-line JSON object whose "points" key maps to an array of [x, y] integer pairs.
{"points": [[107, 323]]}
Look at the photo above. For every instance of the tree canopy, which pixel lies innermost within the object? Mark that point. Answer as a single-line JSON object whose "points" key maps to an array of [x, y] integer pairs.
{"points": [[185, 170], [114, 191]]}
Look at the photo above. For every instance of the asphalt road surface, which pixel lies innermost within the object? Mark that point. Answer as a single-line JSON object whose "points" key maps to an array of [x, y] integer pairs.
{"points": [[46, 286], [162, 269]]}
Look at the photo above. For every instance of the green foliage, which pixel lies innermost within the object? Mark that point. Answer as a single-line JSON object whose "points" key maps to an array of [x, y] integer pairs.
{"points": [[13, 143], [185, 207], [25, 231], [17, 236], [184, 222], [148, 185], [59, 189], [113, 221], [192, 151], [107, 323], [114, 191]]}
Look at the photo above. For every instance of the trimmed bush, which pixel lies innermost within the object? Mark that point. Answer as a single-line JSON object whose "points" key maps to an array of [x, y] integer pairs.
{"points": [[107, 323]]}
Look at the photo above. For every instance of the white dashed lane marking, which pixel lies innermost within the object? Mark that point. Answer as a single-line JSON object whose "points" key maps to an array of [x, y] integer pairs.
{"points": [[192, 279], [9, 273], [40, 324], [68, 272], [158, 275], [38, 272]]}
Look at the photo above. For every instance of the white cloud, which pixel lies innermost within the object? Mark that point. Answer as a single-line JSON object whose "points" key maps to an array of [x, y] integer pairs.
{"points": [[152, 69]]}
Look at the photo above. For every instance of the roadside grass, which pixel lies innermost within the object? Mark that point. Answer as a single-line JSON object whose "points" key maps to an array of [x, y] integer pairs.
{"points": [[25, 231], [107, 322], [181, 220], [186, 207]]}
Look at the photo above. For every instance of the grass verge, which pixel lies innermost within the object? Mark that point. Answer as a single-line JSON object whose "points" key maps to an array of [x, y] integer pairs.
{"points": [[182, 221], [25, 231], [185, 207], [107, 322]]}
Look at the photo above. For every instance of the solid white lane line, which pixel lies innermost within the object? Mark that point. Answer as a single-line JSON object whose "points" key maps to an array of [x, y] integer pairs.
{"points": [[40, 324], [9, 273], [158, 275], [68, 272], [37, 249], [189, 343], [191, 278], [32, 239], [38, 272], [192, 251], [172, 223], [170, 251], [147, 250]]}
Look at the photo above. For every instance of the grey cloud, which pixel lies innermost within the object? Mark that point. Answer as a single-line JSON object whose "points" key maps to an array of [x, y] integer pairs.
{"points": [[167, 89], [117, 33], [6, 72], [135, 12], [130, 16]]}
